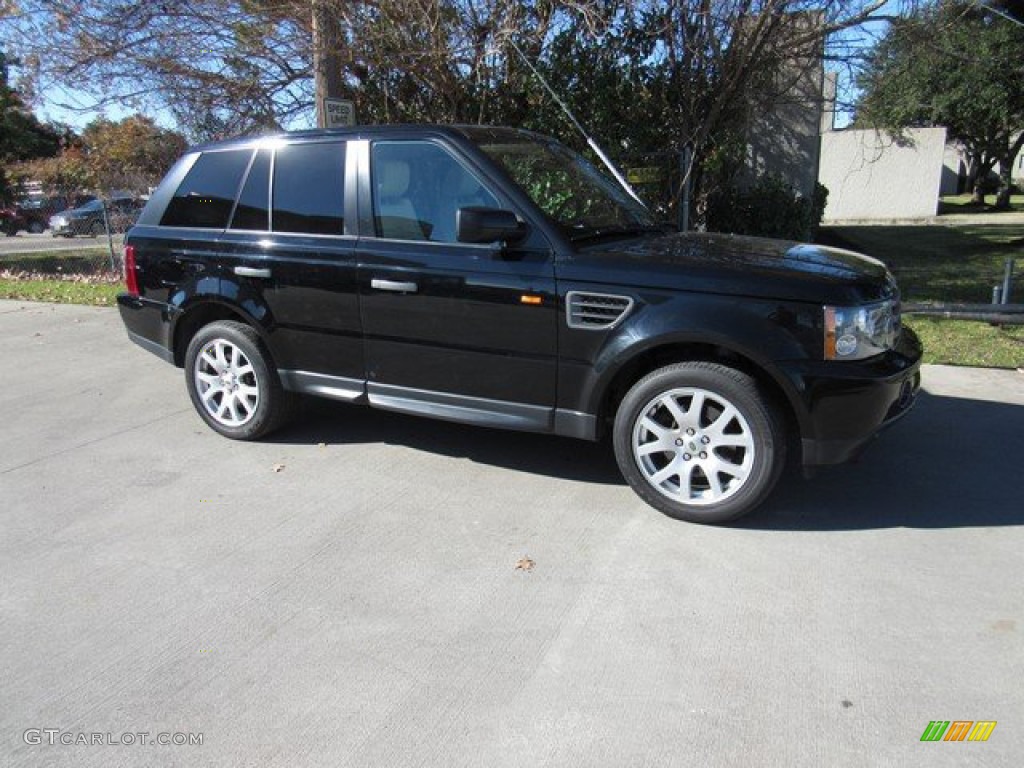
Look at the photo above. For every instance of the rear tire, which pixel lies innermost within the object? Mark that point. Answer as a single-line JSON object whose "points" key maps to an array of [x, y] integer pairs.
{"points": [[233, 383], [699, 441]]}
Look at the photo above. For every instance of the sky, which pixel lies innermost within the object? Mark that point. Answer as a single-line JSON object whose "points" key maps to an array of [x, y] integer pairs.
{"points": [[49, 109]]}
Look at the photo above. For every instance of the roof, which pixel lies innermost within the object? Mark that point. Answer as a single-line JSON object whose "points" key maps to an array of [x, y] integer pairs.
{"points": [[366, 131]]}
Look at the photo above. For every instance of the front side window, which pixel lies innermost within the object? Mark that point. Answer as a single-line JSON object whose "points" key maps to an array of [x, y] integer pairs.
{"points": [[418, 189], [309, 189], [207, 193]]}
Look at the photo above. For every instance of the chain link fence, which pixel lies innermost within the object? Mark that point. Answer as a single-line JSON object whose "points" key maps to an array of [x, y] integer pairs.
{"points": [[67, 235]]}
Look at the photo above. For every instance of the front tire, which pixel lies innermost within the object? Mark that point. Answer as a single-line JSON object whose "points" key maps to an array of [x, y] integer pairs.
{"points": [[232, 382], [699, 441]]}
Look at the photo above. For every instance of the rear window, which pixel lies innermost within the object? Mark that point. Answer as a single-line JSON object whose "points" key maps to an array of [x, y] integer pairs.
{"points": [[208, 191], [309, 189]]}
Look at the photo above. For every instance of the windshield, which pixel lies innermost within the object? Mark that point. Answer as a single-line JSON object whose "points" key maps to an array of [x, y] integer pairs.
{"points": [[95, 205], [573, 193]]}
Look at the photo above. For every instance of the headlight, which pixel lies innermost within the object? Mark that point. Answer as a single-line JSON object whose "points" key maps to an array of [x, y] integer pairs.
{"points": [[58, 221], [855, 333]]}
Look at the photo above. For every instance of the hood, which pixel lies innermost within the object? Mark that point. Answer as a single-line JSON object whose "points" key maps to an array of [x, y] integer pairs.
{"points": [[735, 265]]}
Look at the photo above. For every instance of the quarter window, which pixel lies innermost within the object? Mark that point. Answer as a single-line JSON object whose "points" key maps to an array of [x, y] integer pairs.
{"points": [[206, 194], [309, 189]]}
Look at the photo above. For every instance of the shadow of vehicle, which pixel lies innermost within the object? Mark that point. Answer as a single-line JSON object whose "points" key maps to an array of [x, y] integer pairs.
{"points": [[950, 463], [323, 421]]}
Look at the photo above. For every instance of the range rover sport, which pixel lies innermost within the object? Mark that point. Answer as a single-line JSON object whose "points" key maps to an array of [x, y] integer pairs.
{"points": [[494, 277]]}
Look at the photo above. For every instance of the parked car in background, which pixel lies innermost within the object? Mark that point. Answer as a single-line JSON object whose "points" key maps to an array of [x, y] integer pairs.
{"points": [[91, 219], [10, 221], [35, 212]]}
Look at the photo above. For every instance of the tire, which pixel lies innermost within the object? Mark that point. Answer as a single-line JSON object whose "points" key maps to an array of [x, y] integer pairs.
{"points": [[35, 227], [233, 383], [699, 441], [96, 229]]}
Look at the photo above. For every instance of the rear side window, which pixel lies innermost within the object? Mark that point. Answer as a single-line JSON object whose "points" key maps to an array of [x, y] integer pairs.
{"points": [[207, 193], [309, 189], [253, 209]]}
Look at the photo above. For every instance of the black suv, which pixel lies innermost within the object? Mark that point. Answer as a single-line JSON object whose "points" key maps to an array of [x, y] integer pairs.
{"points": [[494, 277]]}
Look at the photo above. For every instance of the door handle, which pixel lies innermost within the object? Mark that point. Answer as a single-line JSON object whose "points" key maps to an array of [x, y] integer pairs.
{"points": [[393, 285], [252, 272]]}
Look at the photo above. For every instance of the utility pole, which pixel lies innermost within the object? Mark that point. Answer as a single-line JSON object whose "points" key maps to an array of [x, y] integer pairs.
{"points": [[327, 58]]}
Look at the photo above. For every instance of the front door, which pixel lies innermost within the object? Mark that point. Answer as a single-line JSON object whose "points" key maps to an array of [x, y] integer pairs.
{"points": [[452, 330]]}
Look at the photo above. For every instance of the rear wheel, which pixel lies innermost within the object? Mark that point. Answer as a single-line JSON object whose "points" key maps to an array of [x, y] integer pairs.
{"points": [[36, 227], [699, 441], [96, 229], [232, 381]]}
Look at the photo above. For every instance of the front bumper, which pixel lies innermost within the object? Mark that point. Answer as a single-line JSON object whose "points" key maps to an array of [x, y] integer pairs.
{"points": [[849, 403], [59, 227]]}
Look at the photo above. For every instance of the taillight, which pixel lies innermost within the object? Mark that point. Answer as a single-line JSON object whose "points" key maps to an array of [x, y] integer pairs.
{"points": [[131, 274]]}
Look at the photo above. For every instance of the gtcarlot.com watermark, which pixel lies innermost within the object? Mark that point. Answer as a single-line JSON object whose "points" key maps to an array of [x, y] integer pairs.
{"points": [[55, 737]]}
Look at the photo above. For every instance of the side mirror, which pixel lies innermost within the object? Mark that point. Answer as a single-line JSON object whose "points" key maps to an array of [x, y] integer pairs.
{"points": [[487, 225]]}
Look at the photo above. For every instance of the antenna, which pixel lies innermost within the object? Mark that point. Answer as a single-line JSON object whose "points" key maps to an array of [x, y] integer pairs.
{"points": [[590, 142]]}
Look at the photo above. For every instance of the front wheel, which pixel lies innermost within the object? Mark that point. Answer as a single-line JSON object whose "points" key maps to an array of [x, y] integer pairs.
{"points": [[699, 441], [232, 382]]}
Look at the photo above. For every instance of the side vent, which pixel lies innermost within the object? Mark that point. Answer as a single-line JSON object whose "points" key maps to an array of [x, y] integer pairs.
{"points": [[595, 311]]}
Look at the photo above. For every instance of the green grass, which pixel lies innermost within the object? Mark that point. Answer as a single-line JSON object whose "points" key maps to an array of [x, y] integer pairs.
{"points": [[954, 263], [962, 342], [963, 204], [949, 263], [60, 291]]}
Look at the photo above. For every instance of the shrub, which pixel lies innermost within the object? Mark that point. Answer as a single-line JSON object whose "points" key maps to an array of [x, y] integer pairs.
{"points": [[770, 208]]}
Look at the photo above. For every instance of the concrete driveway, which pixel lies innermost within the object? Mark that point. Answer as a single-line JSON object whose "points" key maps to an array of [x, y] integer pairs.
{"points": [[361, 606]]}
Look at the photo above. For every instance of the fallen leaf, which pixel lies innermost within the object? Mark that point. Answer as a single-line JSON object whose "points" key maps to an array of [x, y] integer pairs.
{"points": [[277, 467], [525, 564]]}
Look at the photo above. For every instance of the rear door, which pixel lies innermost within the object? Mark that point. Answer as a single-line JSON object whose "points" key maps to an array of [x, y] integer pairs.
{"points": [[291, 244], [452, 329]]}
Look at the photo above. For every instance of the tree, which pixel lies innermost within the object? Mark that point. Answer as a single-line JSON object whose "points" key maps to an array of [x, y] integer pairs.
{"points": [[22, 136], [133, 153], [130, 154], [644, 75], [66, 173], [959, 65]]}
